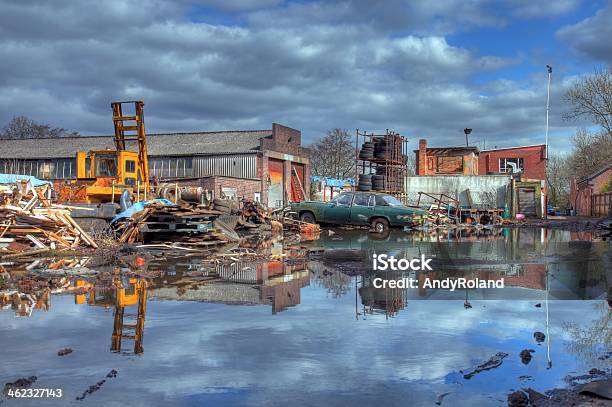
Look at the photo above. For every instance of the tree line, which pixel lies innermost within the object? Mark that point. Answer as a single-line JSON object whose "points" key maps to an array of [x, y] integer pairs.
{"points": [[21, 127]]}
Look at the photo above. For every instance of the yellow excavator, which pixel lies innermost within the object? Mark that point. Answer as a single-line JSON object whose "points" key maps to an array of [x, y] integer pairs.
{"points": [[104, 175]]}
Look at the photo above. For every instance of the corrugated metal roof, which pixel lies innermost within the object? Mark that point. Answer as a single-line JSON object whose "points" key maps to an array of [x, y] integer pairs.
{"points": [[161, 144]]}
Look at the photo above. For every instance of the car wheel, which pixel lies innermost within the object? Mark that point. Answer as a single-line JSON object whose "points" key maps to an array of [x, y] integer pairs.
{"points": [[307, 217], [380, 225]]}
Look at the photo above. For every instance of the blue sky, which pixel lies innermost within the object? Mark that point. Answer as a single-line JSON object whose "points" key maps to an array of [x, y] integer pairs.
{"points": [[426, 69]]}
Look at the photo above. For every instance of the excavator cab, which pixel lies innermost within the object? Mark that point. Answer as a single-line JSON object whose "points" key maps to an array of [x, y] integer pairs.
{"points": [[103, 175]]}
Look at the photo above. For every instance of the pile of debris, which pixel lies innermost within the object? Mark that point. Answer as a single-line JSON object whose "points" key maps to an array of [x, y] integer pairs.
{"points": [[157, 222], [31, 223]]}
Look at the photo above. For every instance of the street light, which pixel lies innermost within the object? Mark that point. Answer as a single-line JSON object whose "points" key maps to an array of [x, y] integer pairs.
{"points": [[467, 131]]}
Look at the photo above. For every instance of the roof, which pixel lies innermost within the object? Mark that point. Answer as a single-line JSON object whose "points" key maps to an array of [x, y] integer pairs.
{"points": [[161, 144], [597, 173], [513, 148], [455, 149]]}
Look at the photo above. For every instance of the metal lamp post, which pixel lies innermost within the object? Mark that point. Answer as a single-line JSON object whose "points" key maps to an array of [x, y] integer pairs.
{"points": [[467, 132]]}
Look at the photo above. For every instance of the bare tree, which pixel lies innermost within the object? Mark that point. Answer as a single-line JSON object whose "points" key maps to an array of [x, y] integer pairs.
{"points": [[20, 127], [591, 97], [591, 152], [411, 164], [334, 155], [559, 176]]}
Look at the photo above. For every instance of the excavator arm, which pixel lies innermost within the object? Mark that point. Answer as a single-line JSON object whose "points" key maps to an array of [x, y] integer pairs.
{"points": [[135, 128]]}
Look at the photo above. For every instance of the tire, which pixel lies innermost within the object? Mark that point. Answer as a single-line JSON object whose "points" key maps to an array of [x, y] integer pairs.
{"points": [[380, 225], [362, 187], [307, 217], [365, 178]]}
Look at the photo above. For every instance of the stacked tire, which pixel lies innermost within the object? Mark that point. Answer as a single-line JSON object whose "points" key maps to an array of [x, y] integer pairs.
{"points": [[365, 182], [380, 149], [367, 151], [378, 182]]}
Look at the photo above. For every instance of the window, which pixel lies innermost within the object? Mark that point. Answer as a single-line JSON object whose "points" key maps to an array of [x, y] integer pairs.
{"points": [[130, 166], [343, 199], [392, 201], [361, 200], [106, 165], [507, 164], [380, 200]]}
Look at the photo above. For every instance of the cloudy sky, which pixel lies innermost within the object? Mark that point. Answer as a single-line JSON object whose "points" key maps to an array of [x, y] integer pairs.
{"points": [[424, 68]]}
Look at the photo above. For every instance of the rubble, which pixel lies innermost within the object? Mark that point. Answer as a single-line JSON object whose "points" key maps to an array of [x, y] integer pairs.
{"points": [[493, 362], [31, 224], [193, 226]]}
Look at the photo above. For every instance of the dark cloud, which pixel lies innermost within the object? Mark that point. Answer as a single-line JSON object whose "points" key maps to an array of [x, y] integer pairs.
{"points": [[313, 66], [591, 37], [535, 9]]}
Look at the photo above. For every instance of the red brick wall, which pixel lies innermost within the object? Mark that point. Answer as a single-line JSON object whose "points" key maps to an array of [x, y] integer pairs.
{"points": [[534, 163], [245, 188], [600, 181], [285, 140]]}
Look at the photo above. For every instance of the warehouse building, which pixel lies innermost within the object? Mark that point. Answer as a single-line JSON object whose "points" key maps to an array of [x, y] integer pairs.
{"points": [[270, 166]]}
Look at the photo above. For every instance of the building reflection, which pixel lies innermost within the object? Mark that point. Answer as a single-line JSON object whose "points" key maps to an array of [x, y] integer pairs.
{"points": [[270, 282]]}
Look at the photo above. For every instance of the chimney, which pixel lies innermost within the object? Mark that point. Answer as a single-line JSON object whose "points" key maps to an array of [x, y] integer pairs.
{"points": [[422, 158]]}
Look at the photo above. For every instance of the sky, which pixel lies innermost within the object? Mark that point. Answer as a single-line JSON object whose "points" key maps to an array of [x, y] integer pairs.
{"points": [[427, 69]]}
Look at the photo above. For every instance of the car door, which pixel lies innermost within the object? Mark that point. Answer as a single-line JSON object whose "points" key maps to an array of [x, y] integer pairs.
{"points": [[338, 211], [361, 211]]}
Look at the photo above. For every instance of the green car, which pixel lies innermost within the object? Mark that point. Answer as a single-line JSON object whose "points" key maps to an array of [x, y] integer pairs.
{"points": [[378, 210]]}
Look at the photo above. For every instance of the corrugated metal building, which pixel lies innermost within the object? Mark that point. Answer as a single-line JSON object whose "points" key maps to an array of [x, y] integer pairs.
{"points": [[266, 165]]}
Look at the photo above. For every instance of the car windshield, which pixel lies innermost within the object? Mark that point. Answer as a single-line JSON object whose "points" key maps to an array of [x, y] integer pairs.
{"points": [[393, 201]]}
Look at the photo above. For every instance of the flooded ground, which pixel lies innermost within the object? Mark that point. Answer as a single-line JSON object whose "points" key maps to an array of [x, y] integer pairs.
{"points": [[304, 325]]}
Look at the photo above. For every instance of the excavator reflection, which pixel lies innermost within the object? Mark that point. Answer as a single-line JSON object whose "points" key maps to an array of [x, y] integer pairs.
{"points": [[134, 295], [129, 297]]}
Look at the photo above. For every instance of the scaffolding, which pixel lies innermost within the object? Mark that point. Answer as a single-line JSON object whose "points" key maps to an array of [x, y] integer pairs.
{"points": [[381, 163]]}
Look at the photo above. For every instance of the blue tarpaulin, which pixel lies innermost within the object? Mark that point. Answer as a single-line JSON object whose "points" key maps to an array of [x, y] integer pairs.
{"points": [[333, 182], [12, 178], [139, 207]]}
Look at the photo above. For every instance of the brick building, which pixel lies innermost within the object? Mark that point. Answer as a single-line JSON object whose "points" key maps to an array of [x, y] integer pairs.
{"points": [[266, 165], [446, 160], [529, 160], [592, 196]]}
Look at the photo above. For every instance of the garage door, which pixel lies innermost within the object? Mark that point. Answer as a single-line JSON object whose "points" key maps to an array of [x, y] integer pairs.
{"points": [[527, 201], [276, 190]]}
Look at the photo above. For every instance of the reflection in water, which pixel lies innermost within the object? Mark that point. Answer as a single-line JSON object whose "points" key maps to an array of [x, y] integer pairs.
{"points": [[23, 303], [315, 352], [531, 262], [379, 300], [128, 296], [135, 295]]}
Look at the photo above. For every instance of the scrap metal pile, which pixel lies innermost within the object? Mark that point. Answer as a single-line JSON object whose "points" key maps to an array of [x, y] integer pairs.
{"points": [[30, 222], [195, 226]]}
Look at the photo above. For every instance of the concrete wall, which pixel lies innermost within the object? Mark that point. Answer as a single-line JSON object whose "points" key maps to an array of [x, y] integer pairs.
{"points": [[486, 190]]}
